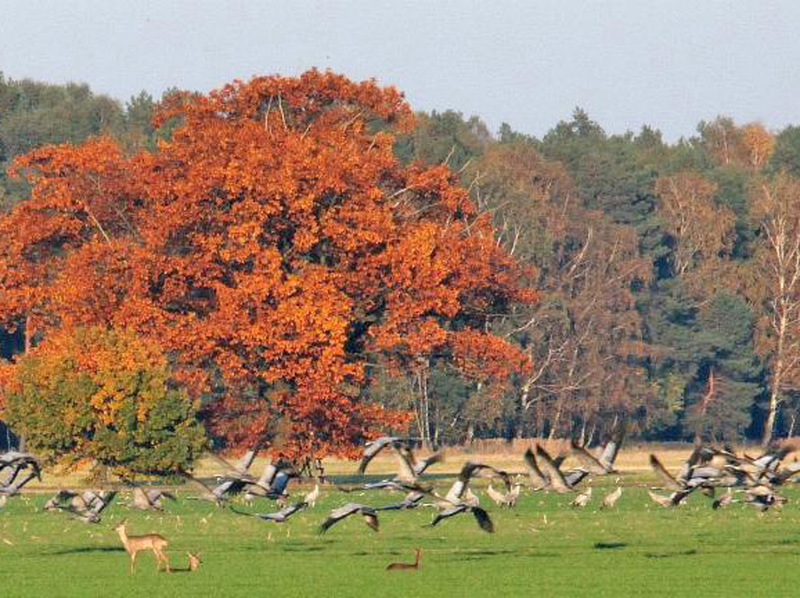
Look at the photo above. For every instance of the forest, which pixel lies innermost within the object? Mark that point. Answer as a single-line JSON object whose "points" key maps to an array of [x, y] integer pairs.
{"points": [[497, 286]]}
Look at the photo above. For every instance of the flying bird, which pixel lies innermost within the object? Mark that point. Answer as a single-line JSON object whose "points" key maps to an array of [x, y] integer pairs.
{"points": [[369, 514], [481, 516]]}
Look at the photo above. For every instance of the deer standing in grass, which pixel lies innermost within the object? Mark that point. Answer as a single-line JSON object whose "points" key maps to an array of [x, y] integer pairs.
{"points": [[135, 544], [407, 566]]}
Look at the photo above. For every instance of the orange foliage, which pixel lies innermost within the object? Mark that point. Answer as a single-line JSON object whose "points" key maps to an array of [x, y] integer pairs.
{"points": [[271, 245], [759, 143]]}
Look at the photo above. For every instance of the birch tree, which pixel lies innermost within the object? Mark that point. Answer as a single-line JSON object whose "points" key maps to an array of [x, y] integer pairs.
{"points": [[775, 289]]}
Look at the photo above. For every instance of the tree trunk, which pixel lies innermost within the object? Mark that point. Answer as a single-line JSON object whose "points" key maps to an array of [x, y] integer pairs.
{"points": [[21, 444], [772, 414], [425, 410], [557, 419], [470, 432], [592, 432], [775, 384], [28, 334], [582, 438]]}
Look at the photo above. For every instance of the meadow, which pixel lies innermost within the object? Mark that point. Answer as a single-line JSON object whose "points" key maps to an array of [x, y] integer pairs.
{"points": [[543, 548]]}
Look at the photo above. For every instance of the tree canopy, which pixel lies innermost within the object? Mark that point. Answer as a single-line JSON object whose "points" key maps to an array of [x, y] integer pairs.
{"points": [[275, 247]]}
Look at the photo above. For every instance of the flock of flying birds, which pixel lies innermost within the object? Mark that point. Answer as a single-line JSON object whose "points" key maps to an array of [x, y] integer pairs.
{"points": [[706, 470]]}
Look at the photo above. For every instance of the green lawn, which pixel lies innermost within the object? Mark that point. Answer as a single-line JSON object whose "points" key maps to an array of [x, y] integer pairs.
{"points": [[541, 548]]}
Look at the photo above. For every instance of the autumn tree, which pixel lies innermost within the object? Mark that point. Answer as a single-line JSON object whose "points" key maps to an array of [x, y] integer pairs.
{"points": [[772, 282], [749, 146], [585, 328], [702, 230], [105, 397], [276, 247]]}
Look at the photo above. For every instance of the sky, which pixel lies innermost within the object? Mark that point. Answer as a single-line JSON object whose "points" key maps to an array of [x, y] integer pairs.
{"points": [[527, 63]]}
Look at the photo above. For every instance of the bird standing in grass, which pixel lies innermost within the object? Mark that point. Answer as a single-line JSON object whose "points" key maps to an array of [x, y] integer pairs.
{"points": [[582, 499], [311, 497], [609, 500]]}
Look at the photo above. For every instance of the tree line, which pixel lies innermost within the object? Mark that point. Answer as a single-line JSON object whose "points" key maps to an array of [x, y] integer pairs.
{"points": [[666, 274]]}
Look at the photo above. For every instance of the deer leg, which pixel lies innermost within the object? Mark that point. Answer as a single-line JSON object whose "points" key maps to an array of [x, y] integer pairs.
{"points": [[161, 557], [133, 561]]}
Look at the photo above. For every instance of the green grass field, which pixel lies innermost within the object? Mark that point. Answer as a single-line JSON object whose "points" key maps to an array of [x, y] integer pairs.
{"points": [[541, 548]]}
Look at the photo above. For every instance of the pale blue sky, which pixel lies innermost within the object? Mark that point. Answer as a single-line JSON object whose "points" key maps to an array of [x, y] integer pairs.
{"points": [[627, 62]]}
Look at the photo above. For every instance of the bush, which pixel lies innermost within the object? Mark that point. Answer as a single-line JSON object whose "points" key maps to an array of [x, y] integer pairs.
{"points": [[105, 396]]}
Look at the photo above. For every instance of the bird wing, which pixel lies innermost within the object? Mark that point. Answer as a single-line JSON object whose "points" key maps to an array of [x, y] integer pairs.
{"points": [[700, 455], [412, 499], [482, 469], [407, 463], [338, 514], [483, 519], [284, 513], [664, 501], [395, 506], [574, 477], [593, 465], [247, 460], [222, 489], [611, 449], [447, 513], [205, 489], [432, 459], [17, 486], [279, 484], [224, 462], [679, 496], [670, 483], [456, 491], [16, 467], [101, 505], [722, 501], [371, 519], [557, 480], [372, 449], [267, 476], [788, 471], [163, 494], [534, 473]]}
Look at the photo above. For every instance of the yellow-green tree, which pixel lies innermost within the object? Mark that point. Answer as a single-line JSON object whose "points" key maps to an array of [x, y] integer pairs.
{"points": [[102, 396]]}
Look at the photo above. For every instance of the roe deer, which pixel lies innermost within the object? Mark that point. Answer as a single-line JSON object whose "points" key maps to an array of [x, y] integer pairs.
{"points": [[407, 566], [194, 564], [135, 544], [194, 561]]}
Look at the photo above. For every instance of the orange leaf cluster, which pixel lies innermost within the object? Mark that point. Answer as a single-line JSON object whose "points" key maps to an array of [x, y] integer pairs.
{"points": [[270, 245]]}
